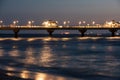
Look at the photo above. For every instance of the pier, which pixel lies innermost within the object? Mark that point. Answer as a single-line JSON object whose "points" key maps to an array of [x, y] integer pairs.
{"points": [[50, 30]]}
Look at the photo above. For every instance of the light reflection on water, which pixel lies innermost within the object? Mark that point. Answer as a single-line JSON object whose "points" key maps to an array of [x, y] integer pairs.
{"points": [[46, 55], [31, 56]]}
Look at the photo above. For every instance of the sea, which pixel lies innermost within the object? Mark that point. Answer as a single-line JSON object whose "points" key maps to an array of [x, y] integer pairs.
{"points": [[60, 57]]}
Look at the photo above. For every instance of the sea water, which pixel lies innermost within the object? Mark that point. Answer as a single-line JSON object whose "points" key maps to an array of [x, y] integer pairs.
{"points": [[61, 58]]}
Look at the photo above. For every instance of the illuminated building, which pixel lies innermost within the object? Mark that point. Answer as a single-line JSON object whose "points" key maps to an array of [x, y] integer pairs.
{"points": [[111, 24], [50, 24]]}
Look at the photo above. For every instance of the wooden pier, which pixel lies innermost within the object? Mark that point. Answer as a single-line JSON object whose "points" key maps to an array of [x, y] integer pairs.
{"points": [[50, 30]]}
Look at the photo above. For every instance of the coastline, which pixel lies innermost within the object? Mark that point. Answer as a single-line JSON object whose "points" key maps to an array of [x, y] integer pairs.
{"points": [[3, 76]]}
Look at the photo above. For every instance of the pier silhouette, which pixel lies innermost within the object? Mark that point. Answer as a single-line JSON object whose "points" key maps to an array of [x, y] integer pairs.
{"points": [[50, 30]]}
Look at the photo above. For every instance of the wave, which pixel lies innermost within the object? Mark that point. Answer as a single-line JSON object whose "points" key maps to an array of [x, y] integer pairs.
{"points": [[76, 73]]}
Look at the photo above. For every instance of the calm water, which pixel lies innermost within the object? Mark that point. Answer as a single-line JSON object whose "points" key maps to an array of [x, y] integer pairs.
{"points": [[61, 58]]}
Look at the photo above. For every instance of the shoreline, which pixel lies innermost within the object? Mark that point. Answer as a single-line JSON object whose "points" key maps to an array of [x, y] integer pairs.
{"points": [[4, 76]]}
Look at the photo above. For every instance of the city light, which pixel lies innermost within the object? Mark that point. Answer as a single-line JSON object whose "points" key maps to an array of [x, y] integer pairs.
{"points": [[68, 22], [64, 23], [50, 24], [30, 23], [88, 24], [93, 22], [84, 22], [56, 22], [15, 23], [79, 23], [1, 23], [111, 24]]}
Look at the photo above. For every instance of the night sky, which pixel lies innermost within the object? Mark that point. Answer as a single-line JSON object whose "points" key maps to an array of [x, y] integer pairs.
{"points": [[73, 10]]}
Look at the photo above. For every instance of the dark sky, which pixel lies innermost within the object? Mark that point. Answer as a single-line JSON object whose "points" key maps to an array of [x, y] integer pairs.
{"points": [[73, 10]]}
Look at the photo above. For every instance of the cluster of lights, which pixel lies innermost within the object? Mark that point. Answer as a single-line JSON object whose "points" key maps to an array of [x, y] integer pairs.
{"points": [[54, 24], [50, 23], [111, 24], [66, 23], [15, 22], [84, 22], [1, 22]]}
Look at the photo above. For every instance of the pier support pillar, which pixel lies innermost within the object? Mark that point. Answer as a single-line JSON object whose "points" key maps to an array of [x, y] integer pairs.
{"points": [[82, 31], [113, 32], [16, 32], [50, 32]]}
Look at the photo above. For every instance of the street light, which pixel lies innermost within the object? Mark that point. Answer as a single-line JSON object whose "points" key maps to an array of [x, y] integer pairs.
{"points": [[88, 24], [1, 22], [64, 23], [15, 23], [118, 21], [93, 22], [79, 23], [30, 23], [84, 22], [56, 22], [68, 22]]}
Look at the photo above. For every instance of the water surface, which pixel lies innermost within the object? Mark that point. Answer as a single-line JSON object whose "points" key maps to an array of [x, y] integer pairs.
{"points": [[61, 58]]}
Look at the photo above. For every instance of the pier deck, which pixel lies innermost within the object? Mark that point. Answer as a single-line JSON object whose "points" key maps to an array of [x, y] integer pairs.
{"points": [[50, 30]]}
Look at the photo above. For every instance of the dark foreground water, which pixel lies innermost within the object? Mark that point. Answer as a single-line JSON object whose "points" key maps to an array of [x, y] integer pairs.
{"points": [[61, 58]]}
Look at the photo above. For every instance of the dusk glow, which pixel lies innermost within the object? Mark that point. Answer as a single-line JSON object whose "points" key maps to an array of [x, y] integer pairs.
{"points": [[60, 10]]}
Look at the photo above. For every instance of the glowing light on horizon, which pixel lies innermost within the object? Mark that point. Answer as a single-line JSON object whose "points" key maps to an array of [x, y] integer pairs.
{"points": [[49, 24], [1, 22], [84, 22], [54, 24], [64, 23], [30, 23], [88, 24], [14, 23], [93, 22], [79, 23], [111, 24]]}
